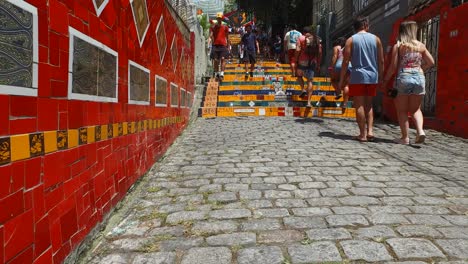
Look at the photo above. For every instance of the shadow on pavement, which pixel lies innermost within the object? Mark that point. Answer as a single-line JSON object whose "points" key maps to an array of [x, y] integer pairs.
{"points": [[349, 137], [308, 120]]}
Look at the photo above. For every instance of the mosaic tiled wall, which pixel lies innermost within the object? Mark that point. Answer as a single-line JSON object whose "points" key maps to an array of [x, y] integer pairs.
{"points": [[86, 108], [452, 75]]}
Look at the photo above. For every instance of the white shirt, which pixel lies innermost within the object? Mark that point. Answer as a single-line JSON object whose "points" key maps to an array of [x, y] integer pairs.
{"points": [[291, 38]]}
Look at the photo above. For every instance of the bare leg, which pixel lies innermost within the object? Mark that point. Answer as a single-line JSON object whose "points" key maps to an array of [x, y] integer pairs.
{"points": [[369, 115], [309, 90], [359, 103], [252, 67], [401, 104], [415, 110], [223, 64], [301, 82], [216, 66]]}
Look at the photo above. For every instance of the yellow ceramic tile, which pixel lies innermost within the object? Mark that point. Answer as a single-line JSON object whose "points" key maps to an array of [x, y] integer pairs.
{"points": [[115, 130], [146, 125], [125, 128], [72, 138], [103, 132], [50, 141], [91, 134], [20, 147]]}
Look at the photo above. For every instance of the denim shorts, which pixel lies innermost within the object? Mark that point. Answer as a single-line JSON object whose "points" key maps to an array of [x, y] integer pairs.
{"points": [[411, 82], [306, 72]]}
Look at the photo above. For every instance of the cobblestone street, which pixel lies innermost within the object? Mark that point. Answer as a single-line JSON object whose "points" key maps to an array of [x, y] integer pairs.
{"points": [[281, 190]]}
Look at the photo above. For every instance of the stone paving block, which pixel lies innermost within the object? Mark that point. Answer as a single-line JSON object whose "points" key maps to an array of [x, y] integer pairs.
{"points": [[178, 217], [307, 193], [279, 236], [418, 231], [249, 179], [457, 248], [350, 210], [377, 232], [182, 191], [225, 180], [260, 255], [428, 220], [334, 192], [230, 213], [176, 231], [325, 201], [375, 192], [171, 208], [250, 194], [398, 191], [210, 188], [359, 200], [431, 191], [276, 212], [290, 203], [312, 185], [340, 184], [255, 204], [387, 219], [195, 183], [407, 248], [369, 184], [113, 258], [347, 220], [263, 186], [461, 220], [397, 200], [429, 210], [389, 209], [304, 222], [454, 232], [222, 197], [208, 255], [287, 187], [277, 180], [213, 227], [193, 198], [299, 179], [315, 252], [261, 224], [180, 244], [328, 234], [365, 250], [311, 211], [129, 244], [428, 200], [234, 187], [271, 194], [233, 239]]}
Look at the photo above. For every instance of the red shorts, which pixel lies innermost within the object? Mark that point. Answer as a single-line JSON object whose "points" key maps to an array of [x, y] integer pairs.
{"points": [[363, 89], [292, 55]]}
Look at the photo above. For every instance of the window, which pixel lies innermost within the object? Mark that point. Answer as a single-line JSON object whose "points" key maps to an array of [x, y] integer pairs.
{"points": [[18, 48], [161, 91], [174, 95], [92, 69], [183, 98], [138, 84], [189, 99]]}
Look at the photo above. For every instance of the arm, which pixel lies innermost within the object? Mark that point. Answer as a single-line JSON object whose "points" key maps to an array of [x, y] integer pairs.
{"points": [[298, 50], [346, 59], [428, 59], [286, 37], [380, 59], [393, 65], [258, 46], [334, 57], [319, 59]]}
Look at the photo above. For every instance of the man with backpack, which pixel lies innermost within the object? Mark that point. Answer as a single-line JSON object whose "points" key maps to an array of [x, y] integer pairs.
{"points": [[308, 57], [219, 39], [290, 40]]}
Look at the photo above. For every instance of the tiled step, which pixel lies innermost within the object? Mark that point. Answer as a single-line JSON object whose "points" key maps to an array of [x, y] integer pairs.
{"points": [[284, 111]]}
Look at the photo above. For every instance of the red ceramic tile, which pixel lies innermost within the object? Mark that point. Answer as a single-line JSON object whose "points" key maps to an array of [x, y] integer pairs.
{"points": [[75, 114], [71, 186], [63, 120], [41, 236], [58, 88], [2, 245], [5, 176], [17, 176], [23, 126], [24, 257], [28, 200], [18, 234], [12, 206], [47, 114], [69, 224], [58, 19], [4, 115], [55, 234], [43, 54], [45, 258], [54, 169], [53, 197], [38, 202], [62, 253], [33, 172], [23, 106]]}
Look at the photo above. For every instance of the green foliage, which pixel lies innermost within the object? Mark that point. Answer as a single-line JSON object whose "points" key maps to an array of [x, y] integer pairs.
{"points": [[205, 24]]}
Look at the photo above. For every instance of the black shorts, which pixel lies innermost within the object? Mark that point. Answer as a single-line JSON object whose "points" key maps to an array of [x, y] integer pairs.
{"points": [[249, 57], [218, 52]]}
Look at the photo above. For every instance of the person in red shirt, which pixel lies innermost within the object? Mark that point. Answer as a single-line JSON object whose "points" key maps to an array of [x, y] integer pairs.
{"points": [[219, 52]]}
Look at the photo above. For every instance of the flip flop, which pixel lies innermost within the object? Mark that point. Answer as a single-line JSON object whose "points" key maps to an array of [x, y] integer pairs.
{"points": [[400, 141], [420, 139], [359, 139], [370, 138]]}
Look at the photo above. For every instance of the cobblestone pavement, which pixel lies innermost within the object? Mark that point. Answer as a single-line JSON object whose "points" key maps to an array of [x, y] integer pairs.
{"points": [[281, 190]]}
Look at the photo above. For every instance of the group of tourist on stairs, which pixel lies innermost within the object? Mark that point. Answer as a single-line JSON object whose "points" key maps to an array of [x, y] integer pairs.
{"points": [[356, 70]]}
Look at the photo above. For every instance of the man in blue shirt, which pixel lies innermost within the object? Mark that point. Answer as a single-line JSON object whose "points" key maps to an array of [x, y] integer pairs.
{"points": [[250, 43]]}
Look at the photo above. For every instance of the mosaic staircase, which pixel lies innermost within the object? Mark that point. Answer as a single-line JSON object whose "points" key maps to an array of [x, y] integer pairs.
{"points": [[270, 92]]}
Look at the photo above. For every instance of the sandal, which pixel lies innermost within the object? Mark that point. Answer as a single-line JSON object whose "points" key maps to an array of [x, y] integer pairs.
{"points": [[400, 141], [420, 139], [371, 138]]}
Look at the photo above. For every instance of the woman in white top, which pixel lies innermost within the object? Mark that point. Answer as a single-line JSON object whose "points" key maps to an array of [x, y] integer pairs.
{"points": [[411, 58]]}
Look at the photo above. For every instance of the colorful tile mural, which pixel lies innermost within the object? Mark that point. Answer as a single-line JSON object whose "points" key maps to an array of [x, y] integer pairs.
{"points": [[18, 47], [138, 83], [140, 16], [99, 5], [174, 95], [161, 91], [161, 39], [174, 52]]}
